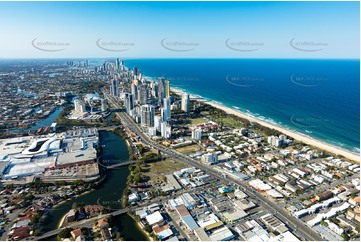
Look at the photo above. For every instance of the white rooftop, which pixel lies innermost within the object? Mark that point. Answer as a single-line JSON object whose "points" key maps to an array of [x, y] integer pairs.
{"points": [[221, 234], [154, 218], [78, 156], [286, 236]]}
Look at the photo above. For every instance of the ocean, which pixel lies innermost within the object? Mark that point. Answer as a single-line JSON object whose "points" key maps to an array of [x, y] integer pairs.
{"points": [[318, 98]]}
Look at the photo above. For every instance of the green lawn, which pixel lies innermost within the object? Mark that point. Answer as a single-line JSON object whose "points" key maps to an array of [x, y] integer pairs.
{"points": [[228, 121], [194, 121]]}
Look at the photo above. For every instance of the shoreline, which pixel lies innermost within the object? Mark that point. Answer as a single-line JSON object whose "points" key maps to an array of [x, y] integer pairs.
{"points": [[62, 221], [297, 136], [140, 226], [124, 196]]}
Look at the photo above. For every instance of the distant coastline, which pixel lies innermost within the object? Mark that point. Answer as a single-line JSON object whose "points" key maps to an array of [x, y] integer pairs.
{"points": [[295, 135]]}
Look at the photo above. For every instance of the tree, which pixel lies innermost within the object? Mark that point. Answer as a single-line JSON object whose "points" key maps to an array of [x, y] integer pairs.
{"points": [[136, 170], [137, 177], [75, 205], [9, 186], [345, 236], [323, 223], [130, 168], [137, 218], [35, 218], [130, 179], [65, 233], [37, 232], [164, 178], [29, 197], [97, 235], [154, 236], [147, 228], [84, 230]]}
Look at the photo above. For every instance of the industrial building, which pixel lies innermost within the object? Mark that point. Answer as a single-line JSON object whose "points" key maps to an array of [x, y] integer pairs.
{"points": [[186, 217]]}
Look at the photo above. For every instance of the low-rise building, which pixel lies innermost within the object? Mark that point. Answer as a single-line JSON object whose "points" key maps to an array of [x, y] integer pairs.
{"points": [[154, 218], [71, 216], [222, 234], [186, 217]]}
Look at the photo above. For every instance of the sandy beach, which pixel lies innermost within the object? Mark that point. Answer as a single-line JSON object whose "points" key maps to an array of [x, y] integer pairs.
{"points": [[297, 136]]}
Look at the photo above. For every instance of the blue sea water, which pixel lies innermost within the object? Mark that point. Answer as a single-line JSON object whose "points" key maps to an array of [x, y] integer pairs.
{"points": [[318, 98]]}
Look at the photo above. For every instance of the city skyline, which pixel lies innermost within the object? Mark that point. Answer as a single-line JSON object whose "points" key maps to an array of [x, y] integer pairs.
{"points": [[219, 172], [305, 30], [180, 120]]}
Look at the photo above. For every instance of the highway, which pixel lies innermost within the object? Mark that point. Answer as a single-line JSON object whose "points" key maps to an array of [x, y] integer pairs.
{"points": [[298, 227]]}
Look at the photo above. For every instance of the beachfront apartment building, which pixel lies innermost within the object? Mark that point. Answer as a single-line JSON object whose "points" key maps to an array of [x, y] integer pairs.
{"points": [[185, 103], [276, 141]]}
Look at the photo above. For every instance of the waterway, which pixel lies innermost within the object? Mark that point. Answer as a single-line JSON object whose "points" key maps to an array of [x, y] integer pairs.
{"points": [[108, 194], [44, 122], [41, 123]]}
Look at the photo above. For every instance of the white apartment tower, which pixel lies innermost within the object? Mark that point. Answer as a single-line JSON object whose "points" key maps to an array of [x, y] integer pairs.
{"points": [[147, 115], [185, 102]]}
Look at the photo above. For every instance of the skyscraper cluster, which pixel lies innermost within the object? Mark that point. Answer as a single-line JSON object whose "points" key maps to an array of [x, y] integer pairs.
{"points": [[147, 101]]}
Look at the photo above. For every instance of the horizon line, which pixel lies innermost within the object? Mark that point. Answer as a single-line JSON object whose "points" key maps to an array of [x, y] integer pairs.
{"points": [[136, 58]]}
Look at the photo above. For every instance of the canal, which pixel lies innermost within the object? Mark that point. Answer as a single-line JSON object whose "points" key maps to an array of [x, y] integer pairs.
{"points": [[44, 122], [40, 123], [108, 194]]}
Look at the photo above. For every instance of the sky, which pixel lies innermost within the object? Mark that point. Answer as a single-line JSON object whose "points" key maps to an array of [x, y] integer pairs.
{"points": [[180, 29]]}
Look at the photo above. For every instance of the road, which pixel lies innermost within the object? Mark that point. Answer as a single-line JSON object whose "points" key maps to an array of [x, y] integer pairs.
{"points": [[303, 230], [176, 225], [324, 188], [83, 223], [12, 218], [118, 164], [89, 222]]}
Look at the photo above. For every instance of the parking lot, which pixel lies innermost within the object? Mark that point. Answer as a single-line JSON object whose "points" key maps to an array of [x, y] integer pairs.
{"points": [[72, 171]]}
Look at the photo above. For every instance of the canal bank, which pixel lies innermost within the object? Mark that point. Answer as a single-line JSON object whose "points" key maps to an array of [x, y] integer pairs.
{"points": [[108, 194], [40, 123]]}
